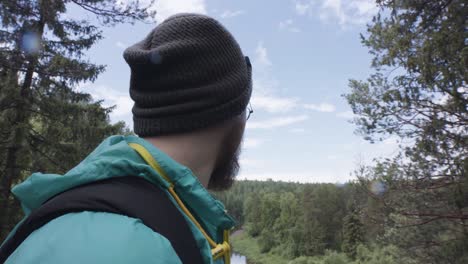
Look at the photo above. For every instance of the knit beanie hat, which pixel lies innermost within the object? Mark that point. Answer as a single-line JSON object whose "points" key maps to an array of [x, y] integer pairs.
{"points": [[188, 73]]}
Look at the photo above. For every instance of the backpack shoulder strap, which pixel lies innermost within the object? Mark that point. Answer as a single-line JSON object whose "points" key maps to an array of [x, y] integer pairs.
{"points": [[131, 196]]}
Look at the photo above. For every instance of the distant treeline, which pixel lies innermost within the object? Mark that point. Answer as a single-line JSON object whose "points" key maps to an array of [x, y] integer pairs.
{"points": [[308, 223]]}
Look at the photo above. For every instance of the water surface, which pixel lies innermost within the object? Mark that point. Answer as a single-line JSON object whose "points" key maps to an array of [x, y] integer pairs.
{"points": [[238, 259]]}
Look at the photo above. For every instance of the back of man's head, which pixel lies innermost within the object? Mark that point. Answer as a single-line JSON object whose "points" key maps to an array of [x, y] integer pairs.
{"points": [[191, 84], [189, 73]]}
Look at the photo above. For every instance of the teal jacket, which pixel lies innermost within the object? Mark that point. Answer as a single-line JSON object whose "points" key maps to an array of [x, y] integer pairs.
{"points": [[98, 237]]}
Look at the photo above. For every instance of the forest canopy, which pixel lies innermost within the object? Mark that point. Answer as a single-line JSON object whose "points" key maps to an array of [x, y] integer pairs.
{"points": [[45, 123]]}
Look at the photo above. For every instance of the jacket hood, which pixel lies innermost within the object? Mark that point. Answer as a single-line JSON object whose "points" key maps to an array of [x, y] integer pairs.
{"points": [[115, 158], [112, 158]]}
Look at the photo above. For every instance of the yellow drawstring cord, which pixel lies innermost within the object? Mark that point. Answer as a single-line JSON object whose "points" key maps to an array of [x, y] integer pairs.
{"points": [[218, 250]]}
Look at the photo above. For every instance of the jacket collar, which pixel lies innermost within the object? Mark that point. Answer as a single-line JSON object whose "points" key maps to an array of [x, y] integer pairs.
{"points": [[115, 158], [206, 208]]}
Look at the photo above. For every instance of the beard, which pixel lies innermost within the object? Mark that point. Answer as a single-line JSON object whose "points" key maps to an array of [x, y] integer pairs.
{"points": [[227, 166]]}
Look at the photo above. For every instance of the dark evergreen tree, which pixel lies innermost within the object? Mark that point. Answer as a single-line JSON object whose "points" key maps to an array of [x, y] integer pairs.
{"points": [[252, 214], [45, 124], [353, 233]]}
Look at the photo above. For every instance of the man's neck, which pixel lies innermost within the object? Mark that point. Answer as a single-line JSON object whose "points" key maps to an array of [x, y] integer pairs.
{"points": [[197, 151]]}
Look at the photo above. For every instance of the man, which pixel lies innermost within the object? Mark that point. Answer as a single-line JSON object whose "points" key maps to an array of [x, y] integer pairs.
{"points": [[143, 199]]}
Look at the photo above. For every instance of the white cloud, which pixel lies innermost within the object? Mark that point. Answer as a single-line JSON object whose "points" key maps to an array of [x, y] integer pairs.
{"points": [[263, 81], [261, 56], [322, 107], [265, 84], [389, 147], [391, 141], [332, 8], [302, 7], [122, 101], [288, 25], [248, 163], [273, 104], [264, 96], [346, 114], [121, 45], [167, 8], [277, 122], [252, 143], [345, 13], [230, 13], [364, 7], [297, 130]]}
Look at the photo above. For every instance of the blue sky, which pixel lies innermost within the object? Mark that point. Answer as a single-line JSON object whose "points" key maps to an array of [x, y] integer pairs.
{"points": [[303, 54]]}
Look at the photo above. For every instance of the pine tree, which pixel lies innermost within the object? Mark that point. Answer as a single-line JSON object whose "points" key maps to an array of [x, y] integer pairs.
{"points": [[45, 123], [252, 212], [353, 234], [418, 93], [313, 231]]}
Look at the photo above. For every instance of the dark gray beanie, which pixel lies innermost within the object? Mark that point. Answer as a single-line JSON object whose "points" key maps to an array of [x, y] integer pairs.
{"points": [[188, 73]]}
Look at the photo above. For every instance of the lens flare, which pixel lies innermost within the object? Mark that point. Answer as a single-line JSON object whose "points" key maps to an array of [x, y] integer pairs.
{"points": [[377, 187], [30, 42]]}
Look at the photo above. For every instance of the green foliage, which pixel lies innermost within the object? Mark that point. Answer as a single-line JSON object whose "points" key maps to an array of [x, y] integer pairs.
{"points": [[418, 94], [353, 234], [250, 248], [266, 241], [45, 124], [294, 233], [330, 257], [375, 254], [293, 220], [333, 257]]}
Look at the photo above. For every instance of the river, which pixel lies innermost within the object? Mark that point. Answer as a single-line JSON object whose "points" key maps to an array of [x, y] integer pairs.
{"points": [[238, 259]]}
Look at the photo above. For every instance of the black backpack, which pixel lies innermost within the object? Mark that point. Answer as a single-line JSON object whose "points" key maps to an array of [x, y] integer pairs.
{"points": [[131, 196]]}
